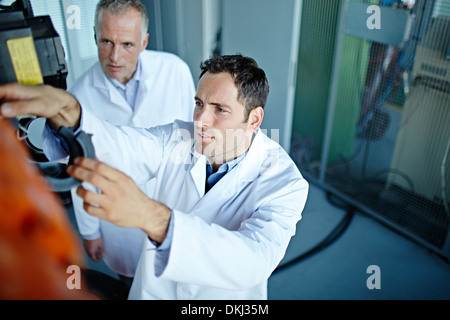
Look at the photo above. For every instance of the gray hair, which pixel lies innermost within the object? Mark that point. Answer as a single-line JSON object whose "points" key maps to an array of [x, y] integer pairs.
{"points": [[121, 6]]}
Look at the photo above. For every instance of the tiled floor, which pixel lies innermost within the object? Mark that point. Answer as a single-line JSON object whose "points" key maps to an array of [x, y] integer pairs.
{"points": [[406, 270]]}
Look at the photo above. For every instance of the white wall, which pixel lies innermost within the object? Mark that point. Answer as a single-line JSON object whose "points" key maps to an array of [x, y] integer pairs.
{"points": [[79, 44], [267, 31], [186, 28]]}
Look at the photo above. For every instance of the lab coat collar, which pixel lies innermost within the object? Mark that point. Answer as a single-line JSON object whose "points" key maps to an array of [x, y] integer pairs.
{"points": [[250, 166], [136, 78], [147, 78], [102, 82], [247, 169]]}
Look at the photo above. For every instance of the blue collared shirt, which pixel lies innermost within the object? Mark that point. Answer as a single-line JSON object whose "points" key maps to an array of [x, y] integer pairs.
{"points": [[213, 178]]}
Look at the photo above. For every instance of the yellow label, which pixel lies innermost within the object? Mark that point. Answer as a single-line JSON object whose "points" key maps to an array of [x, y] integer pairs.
{"points": [[25, 60]]}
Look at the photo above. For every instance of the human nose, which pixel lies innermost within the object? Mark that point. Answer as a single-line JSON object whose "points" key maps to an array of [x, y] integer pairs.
{"points": [[204, 117], [114, 55]]}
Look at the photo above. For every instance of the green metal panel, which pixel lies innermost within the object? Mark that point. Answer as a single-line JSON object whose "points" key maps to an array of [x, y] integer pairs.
{"points": [[317, 39], [316, 52], [352, 78]]}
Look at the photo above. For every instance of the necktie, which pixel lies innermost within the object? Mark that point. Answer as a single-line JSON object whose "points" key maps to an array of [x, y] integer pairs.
{"points": [[212, 178]]}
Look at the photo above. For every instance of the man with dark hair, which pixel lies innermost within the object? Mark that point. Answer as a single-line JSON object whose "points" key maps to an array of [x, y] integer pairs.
{"points": [[227, 197]]}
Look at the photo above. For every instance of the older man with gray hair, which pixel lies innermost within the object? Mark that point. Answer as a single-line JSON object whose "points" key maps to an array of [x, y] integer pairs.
{"points": [[129, 85]]}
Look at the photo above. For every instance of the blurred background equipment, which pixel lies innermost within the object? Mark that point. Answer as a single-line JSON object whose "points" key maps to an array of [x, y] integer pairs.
{"points": [[31, 52], [17, 53], [38, 244], [373, 127], [37, 241]]}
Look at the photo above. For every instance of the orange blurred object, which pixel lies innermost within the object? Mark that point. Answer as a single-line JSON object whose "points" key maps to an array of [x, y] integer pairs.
{"points": [[37, 241]]}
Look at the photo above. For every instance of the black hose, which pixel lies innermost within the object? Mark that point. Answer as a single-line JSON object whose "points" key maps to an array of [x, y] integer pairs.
{"points": [[331, 237]]}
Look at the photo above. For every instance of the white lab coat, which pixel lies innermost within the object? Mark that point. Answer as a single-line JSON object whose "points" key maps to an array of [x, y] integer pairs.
{"points": [[225, 243], [166, 93]]}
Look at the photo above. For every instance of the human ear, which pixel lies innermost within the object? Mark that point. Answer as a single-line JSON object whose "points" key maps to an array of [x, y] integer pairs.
{"points": [[144, 42], [256, 117]]}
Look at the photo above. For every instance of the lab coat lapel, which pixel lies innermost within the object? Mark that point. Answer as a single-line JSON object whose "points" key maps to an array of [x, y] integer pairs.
{"points": [[102, 83], [211, 205], [147, 79], [198, 171], [251, 165], [142, 93], [247, 170]]}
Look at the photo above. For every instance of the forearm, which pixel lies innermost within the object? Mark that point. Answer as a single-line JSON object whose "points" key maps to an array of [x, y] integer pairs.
{"points": [[119, 200], [240, 256], [156, 224], [211, 255]]}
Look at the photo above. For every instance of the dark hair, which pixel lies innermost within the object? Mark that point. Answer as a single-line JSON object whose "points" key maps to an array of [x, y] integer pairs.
{"points": [[250, 80]]}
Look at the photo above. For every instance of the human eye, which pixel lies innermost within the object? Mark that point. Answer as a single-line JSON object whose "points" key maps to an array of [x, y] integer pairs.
{"points": [[198, 104], [221, 110]]}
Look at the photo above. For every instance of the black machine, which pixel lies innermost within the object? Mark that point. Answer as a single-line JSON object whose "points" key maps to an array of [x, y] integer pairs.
{"points": [[31, 52], [17, 24]]}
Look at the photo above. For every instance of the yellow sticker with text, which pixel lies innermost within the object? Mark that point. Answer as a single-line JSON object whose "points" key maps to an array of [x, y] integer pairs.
{"points": [[25, 61]]}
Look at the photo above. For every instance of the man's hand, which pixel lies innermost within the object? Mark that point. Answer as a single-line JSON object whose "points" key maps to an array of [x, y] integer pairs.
{"points": [[94, 249], [57, 105], [120, 200]]}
